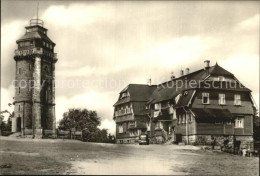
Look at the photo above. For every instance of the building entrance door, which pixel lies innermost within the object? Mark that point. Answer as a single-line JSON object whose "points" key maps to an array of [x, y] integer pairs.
{"points": [[18, 124]]}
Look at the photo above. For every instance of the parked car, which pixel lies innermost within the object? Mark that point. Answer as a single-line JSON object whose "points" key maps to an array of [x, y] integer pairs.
{"points": [[143, 139]]}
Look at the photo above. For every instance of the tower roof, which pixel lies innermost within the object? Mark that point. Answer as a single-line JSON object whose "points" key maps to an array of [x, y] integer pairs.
{"points": [[35, 31]]}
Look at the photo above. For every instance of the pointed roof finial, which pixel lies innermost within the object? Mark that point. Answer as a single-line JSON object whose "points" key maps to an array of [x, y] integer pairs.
{"points": [[36, 21], [37, 12], [216, 63]]}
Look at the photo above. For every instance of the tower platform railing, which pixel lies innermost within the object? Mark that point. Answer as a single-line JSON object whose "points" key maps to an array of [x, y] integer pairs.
{"points": [[33, 51], [34, 22]]}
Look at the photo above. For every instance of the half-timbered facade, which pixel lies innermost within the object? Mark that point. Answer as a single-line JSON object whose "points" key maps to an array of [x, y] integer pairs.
{"points": [[198, 107]]}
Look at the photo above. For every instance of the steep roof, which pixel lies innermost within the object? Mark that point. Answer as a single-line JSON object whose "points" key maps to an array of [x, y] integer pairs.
{"points": [[217, 70], [35, 35], [137, 92], [184, 99], [171, 89]]}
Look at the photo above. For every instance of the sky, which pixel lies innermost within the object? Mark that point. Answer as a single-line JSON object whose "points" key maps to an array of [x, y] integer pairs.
{"points": [[103, 46]]}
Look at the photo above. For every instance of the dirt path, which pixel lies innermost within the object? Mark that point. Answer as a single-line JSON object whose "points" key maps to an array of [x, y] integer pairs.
{"points": [[27, 156]]}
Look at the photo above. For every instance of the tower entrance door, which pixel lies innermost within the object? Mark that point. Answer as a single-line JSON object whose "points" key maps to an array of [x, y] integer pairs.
{"points": [[18, 124]]}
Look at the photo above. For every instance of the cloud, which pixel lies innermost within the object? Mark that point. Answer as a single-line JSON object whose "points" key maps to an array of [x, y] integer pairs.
{"points": [[101, 102], [240, 65], [131, 41], [9, 34], [77, 14], [108, 124], [250, 23]]}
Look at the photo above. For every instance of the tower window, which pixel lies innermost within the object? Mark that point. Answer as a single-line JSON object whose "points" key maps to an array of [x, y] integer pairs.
{"points": [[20, 107], [221, 78], [19, 71], [21, 44], [120, 129], [19, 90], [205, 98]]}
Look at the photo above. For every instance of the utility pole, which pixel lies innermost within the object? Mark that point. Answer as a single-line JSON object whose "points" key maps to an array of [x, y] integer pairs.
{"points": [[150, 127]]}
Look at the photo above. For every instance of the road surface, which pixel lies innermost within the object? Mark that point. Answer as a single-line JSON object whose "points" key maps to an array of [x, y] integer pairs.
{"points": [[36, 156]]}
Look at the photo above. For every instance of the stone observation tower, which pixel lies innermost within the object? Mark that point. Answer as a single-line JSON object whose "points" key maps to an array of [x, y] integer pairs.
{"points": [[34, 101]]}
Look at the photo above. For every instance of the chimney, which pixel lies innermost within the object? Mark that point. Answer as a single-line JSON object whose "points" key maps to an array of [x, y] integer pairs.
{"points": [[206, 63], [149, 82], [182, 72], [172, 76], [187, 71]]}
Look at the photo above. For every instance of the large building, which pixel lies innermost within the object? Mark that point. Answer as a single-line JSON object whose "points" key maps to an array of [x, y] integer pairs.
{"points": [[34, 101], [130, 112], [195, 108]]}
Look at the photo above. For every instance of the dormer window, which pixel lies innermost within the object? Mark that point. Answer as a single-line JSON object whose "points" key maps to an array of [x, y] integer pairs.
{"points": [[157, 106], [221, 100], [124, 94], [205, 98], [221, 78], [177, 98]]}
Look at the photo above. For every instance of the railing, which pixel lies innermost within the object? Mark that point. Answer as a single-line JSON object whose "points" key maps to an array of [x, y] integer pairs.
{"points": [[36, 22], [125, 118], [33, 51]]}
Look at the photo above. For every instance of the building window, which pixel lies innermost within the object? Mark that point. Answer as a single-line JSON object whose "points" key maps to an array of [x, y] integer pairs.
{"points": [[123, 95], [19, 107], [120, 129], [179, 119], [159, 125], [205, 98], [183, 118], [221, 78], [170, 110], [228, 122], [43, 43], [31, 43], [19, 90], [116, 113], [189, 115], [30, 66], [237, 100], [157, 106], [222, 99], [239, 123], [218, 121]]}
